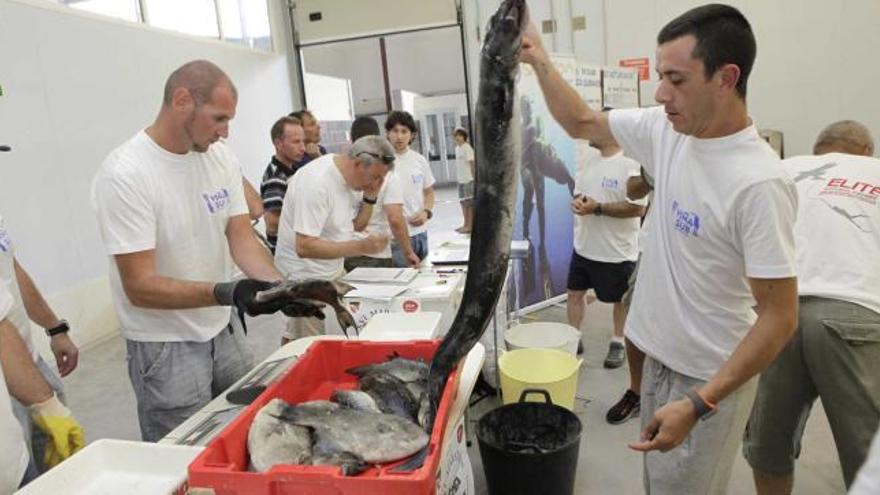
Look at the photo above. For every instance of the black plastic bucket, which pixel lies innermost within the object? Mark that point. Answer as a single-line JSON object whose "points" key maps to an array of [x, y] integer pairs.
{"points": [[530, 447]]}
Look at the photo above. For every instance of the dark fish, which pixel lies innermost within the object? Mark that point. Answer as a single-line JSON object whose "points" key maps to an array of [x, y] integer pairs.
{"points": [[328, 292], [497, 167], [408, 370], [498, 153], [391, 394]]}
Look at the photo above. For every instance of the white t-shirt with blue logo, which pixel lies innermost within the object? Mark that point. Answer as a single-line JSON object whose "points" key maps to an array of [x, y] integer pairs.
{"points": [[148, 198], [17, 314], [318, 203], [14, 454], [724, 211], [603, 238], [415, 176]]}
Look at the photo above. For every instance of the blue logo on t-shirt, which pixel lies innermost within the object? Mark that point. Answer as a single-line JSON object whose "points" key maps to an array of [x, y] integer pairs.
{"points": [[418, 178], [609, 183], [686, 222], [5, 241], [217, 200]]}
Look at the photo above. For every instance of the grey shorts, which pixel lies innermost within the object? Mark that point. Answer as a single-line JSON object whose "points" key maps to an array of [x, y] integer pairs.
{"points": [[702, 463], [466, 191], [173, 380], [834, 355]]}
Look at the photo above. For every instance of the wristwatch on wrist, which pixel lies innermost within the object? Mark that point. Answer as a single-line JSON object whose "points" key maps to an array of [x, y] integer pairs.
{"points": [[429, 213], [369, 201], [703, 408], [61, 327], [598, 210]]}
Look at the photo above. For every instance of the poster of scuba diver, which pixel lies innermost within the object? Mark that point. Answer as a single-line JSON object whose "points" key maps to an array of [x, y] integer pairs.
{"points": [[543, 214]]}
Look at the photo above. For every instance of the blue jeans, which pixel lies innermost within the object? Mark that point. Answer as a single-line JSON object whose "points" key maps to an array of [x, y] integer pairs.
{"points": [[174, 380], [419, 244]]}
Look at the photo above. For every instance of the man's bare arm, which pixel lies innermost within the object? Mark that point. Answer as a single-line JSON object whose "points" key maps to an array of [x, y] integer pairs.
{"points": [[253, 200], [622, 209], [777, 320], [146, 289], [637, 188], [317, 248], [248, 252], [23, 379]]}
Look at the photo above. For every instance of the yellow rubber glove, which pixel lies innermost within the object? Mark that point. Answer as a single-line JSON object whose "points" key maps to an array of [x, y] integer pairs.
{"points": [[65, 435]]}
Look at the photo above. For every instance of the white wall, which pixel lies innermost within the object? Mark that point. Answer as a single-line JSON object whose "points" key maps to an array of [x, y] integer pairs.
{"points": [[816, 60], [76, 86]]}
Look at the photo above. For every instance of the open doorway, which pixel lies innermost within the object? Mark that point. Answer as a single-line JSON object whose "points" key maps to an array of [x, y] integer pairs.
{"points": [[422, 72]]}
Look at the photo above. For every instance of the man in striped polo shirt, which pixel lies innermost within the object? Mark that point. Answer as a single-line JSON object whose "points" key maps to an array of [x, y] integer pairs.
{"points": [[288, 138]]}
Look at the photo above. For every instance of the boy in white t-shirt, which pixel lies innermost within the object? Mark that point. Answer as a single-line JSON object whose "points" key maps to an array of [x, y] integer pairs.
{"points": [[417, 182], [721, 243], [465, 167], [835, 353]]}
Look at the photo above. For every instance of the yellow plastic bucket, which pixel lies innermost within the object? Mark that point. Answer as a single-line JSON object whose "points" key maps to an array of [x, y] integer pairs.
{"points": [[548, 369]]}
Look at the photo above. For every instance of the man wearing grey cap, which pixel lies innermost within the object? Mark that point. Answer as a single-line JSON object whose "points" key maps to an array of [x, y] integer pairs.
{"points": [[316, 229]]}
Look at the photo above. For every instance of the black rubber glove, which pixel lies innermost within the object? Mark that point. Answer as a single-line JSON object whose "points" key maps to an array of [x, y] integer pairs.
{"points": [[242, 294]]}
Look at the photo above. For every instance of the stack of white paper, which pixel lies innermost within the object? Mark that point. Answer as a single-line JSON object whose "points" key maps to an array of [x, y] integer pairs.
{"points": [[381, 275]]}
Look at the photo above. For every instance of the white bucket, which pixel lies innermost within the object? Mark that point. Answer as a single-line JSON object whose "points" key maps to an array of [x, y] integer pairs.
{"points": [[545, 335]]}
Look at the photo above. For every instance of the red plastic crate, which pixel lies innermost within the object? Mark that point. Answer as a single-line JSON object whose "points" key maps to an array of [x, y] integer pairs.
{"points": [[223, 465]]}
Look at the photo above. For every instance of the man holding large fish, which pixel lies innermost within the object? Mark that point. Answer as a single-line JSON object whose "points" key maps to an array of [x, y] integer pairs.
{"points": [[171, 210], [723, 242]]}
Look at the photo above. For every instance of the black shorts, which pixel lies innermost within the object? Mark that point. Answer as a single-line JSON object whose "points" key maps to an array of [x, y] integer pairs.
{"points": [[609, 280]]}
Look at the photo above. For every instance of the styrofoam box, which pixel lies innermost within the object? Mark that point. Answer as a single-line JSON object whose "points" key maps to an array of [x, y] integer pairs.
{"points": [[118, 466], [402, 326]]}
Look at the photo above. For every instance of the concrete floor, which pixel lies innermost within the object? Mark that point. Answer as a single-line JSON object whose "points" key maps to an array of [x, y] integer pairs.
{"points": [[100, 395]]}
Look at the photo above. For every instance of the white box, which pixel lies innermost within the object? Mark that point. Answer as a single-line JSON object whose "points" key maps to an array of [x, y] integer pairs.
{"points": [[429, 291], [118, 466]]}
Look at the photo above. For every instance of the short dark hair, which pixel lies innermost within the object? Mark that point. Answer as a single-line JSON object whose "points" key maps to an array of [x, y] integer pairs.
{"points": [[277, 131], [724, 36], [461, 132], [364, 126], [399, 117]]}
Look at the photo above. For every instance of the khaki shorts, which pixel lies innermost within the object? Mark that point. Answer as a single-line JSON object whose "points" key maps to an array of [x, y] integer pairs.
{"points": [[303, 327], [834, 355], [702, 463]]}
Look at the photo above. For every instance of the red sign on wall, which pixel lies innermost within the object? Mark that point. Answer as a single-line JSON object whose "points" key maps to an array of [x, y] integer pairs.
{"points": [[639, 63]]}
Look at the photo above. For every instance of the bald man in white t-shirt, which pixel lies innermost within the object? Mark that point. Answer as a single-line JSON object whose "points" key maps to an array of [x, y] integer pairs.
{"points": [[835, 353]]}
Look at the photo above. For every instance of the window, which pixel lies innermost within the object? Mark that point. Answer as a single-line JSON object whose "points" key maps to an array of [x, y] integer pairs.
{"points": [[244, 22], [120, 9], [196, 17]]}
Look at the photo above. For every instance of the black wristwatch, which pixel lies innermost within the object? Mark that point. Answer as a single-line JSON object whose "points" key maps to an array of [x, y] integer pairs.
{"points": [[598, 210], [430, 213], [369, 201], [61, 327]]}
